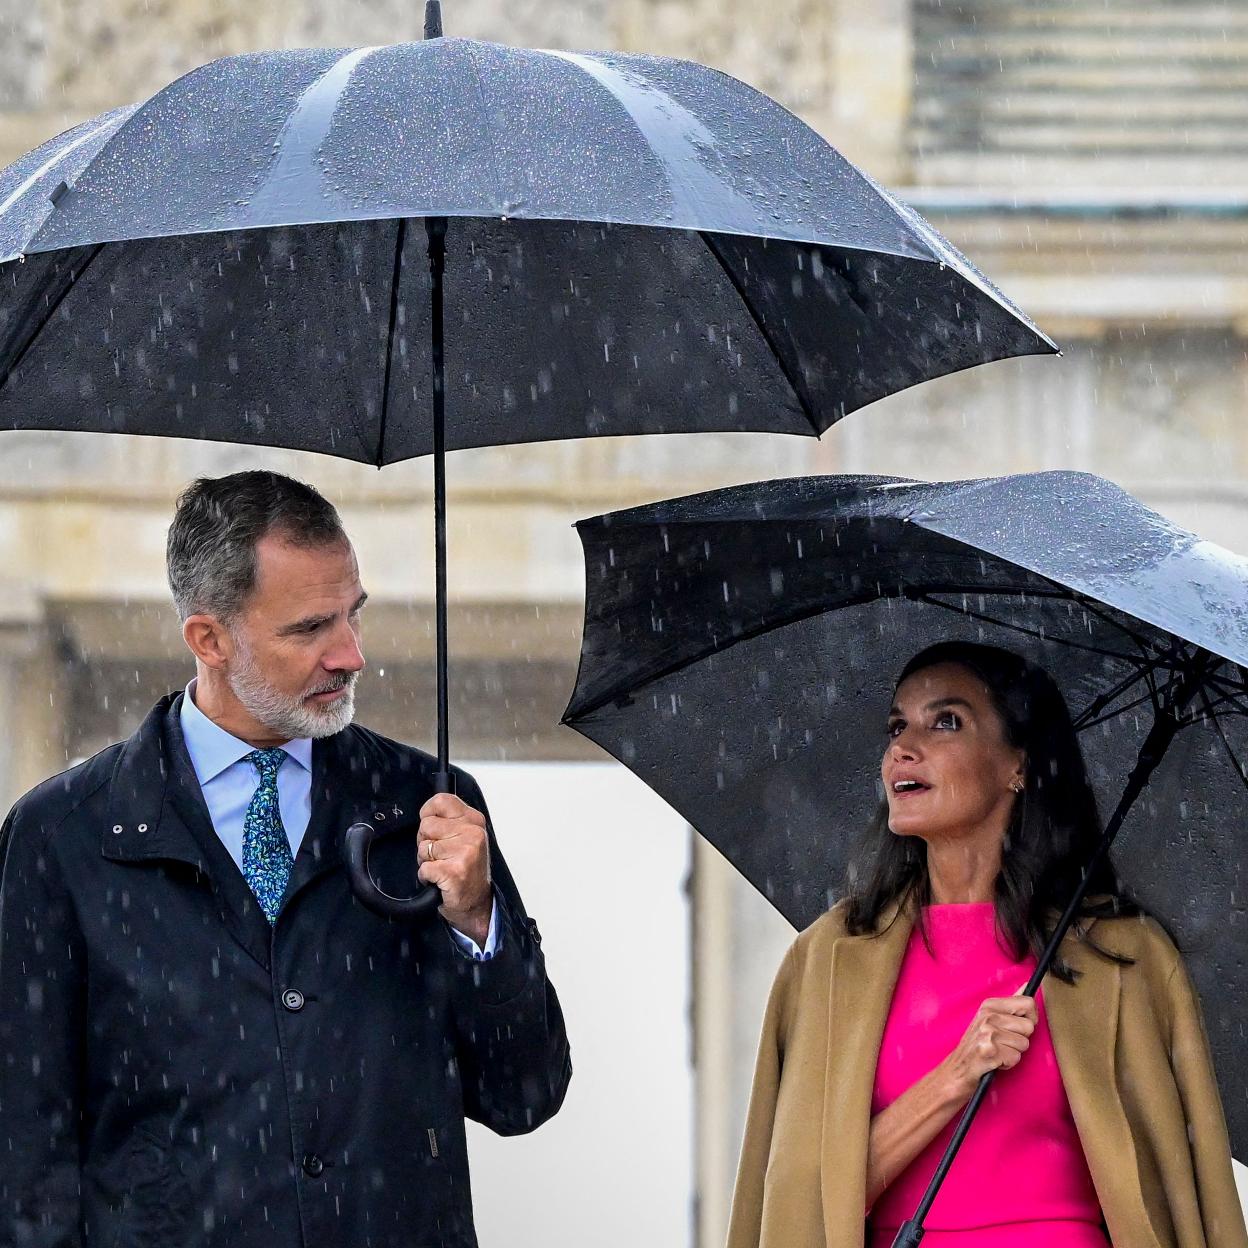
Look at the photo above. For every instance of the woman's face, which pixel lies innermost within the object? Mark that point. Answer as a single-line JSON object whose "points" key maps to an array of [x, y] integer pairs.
{"points": [[948, 768]]}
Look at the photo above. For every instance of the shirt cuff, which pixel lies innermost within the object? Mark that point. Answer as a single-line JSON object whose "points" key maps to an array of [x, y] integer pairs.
{"points": [[469, 947]]}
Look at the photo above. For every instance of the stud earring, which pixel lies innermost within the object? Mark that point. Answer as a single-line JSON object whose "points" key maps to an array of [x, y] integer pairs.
{"points": [[1016, 785]]}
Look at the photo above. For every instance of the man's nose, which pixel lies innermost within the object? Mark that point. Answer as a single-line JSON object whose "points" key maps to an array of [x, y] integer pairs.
{"points": [[347, 654]]}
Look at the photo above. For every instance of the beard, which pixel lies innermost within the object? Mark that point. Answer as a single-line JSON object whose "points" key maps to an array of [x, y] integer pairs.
{"points": [[285, 714]]}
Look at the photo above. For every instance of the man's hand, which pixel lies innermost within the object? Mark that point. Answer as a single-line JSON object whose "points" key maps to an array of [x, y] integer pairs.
{"points": [[454, 853]]}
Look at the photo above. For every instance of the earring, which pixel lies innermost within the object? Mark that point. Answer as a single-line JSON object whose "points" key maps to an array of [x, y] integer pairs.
{"points": [[1016, 785]]}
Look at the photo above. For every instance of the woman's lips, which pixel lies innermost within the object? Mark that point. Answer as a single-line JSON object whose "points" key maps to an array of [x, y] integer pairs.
{"points": [[904, 794]]}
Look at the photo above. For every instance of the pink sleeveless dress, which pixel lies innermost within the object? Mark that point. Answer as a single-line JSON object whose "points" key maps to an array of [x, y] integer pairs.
{"points": [[1020, 1179]]}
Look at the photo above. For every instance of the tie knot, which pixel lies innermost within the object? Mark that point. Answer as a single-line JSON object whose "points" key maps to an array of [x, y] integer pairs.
{"points": [[267, 761]]}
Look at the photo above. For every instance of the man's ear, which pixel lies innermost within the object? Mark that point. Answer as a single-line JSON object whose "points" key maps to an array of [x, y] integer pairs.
{"points": [[208, 639]]}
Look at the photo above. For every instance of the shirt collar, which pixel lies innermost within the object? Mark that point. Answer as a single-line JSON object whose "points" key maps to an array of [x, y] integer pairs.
{"points": [[212, 749]]}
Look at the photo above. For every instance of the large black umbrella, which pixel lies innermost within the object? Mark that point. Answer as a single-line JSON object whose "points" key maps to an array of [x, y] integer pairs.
{"points": [[383, 252], [740, 649]]}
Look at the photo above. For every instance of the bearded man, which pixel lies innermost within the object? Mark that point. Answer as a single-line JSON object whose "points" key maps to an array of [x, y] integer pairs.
{"points": [[205, 1040]]}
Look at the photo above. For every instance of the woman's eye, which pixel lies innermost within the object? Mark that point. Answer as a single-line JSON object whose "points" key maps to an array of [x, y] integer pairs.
{"points": [[947, 719], [894, 728]]}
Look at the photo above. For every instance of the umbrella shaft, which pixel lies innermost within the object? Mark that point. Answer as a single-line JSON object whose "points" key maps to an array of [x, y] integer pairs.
{"points": [[435, 227], [1151, 753]]}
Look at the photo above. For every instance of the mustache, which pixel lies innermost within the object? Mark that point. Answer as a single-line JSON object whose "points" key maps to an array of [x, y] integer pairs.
{"points": [[344, 681]]}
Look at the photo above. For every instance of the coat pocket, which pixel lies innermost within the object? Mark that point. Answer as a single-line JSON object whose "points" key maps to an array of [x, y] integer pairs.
{"points": [[442, 1163], [141, 1183]]}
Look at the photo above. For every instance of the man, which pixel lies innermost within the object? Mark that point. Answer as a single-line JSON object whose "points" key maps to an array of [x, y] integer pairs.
{"points": [[205, 1040]]}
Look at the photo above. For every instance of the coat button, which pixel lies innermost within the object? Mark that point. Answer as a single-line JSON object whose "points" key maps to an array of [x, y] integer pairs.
{"points": [[293, 999], [313, 1166]]}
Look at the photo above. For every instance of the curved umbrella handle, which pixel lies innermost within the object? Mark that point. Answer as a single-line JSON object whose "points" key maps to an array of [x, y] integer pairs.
{"points": [[426, 900]]}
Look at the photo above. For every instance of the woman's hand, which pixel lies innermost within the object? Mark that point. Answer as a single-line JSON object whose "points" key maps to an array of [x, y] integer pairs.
{"points": [[999, 1035]]}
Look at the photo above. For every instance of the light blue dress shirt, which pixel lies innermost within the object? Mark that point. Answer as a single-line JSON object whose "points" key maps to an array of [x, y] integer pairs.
{"points": [[228, 783]]}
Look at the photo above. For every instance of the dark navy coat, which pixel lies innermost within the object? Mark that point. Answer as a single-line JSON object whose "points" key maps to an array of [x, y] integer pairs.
{"points": [[174, 1073]]}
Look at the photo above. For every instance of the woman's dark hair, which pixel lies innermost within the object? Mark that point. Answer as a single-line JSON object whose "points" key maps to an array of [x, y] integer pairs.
{"points": [[1053, 830]]}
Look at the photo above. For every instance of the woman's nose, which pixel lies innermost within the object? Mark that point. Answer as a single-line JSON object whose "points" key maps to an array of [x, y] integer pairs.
{"points": [[903, 748]]}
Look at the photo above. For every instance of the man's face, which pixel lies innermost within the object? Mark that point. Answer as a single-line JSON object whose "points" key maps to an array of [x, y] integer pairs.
{"points": [[297, 639]]}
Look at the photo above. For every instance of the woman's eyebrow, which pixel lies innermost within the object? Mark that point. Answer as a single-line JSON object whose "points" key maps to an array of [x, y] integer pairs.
{"points": [[940, 703]]}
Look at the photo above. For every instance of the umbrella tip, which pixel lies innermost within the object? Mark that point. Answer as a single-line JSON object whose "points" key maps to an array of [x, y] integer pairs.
{"points": [[433, 19]]}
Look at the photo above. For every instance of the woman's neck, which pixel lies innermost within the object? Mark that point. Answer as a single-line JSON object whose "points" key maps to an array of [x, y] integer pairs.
{"points": [[962, 871]]}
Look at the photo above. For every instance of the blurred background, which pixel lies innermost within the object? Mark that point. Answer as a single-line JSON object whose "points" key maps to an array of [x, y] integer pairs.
{"points": [[1090, 155]]}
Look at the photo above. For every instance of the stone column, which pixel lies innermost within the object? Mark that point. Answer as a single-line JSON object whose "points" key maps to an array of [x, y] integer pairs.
{"points": [[872, 70], [34, 702], [739, 941]]}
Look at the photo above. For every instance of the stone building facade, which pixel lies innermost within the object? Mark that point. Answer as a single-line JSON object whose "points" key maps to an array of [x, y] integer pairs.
{"points": [[1091, 157]]}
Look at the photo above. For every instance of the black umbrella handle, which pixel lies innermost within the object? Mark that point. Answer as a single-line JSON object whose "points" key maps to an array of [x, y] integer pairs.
{"points": [[359, 840]]}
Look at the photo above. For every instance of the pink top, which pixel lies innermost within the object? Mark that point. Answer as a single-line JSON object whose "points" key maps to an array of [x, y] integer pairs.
{"points": [[1021, 1166]]}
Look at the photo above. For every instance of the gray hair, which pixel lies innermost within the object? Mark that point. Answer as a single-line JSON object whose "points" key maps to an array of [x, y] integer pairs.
{"points": [[211, 551]]}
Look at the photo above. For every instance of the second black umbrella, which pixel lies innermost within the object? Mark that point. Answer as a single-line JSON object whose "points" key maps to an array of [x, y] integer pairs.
{"points": [[740, 648]]}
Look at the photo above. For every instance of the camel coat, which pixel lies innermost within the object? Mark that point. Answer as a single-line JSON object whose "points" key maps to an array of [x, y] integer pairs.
{"points": [[1134, 1059]]}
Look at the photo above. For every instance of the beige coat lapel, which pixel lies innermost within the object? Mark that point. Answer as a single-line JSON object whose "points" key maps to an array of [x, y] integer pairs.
{"points": [[1083, 1022], [864, 974]]}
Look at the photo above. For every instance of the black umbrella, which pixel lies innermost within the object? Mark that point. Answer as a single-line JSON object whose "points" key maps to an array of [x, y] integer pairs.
{"points": [[740, 647], [259, 254]]}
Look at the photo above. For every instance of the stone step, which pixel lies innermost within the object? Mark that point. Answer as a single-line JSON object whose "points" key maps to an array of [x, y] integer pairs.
{"points": [[1115, 45], [1057, 75], [1126, 17], [1180, 140], [1103, 171], [1083, 107]]}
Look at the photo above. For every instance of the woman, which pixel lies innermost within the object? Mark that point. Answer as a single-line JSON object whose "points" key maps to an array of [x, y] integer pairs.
{"points": [[1104, 1125]]}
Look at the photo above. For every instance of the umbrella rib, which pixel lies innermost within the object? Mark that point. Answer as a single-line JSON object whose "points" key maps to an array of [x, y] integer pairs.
{"points": [[1095, 712], [399, 239], [1231, 700], [1095, 608], [1239, 767], [717, 647], [32, 336], [1230, 690], [798, 387], [1145, 699], [1018, 628]]}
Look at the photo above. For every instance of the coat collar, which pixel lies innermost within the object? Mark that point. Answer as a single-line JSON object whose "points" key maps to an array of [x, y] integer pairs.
{"points": [[864, 974], [1083, 1023], [155, 806], [141, 824], [156, 813]]}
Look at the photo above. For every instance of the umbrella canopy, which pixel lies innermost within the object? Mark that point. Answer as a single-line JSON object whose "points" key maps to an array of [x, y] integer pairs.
{"points": [[231, 259], [611, 245], [741, 648]]}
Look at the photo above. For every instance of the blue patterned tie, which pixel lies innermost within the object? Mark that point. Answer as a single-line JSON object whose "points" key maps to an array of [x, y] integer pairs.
{"points": [[267, 859]]}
